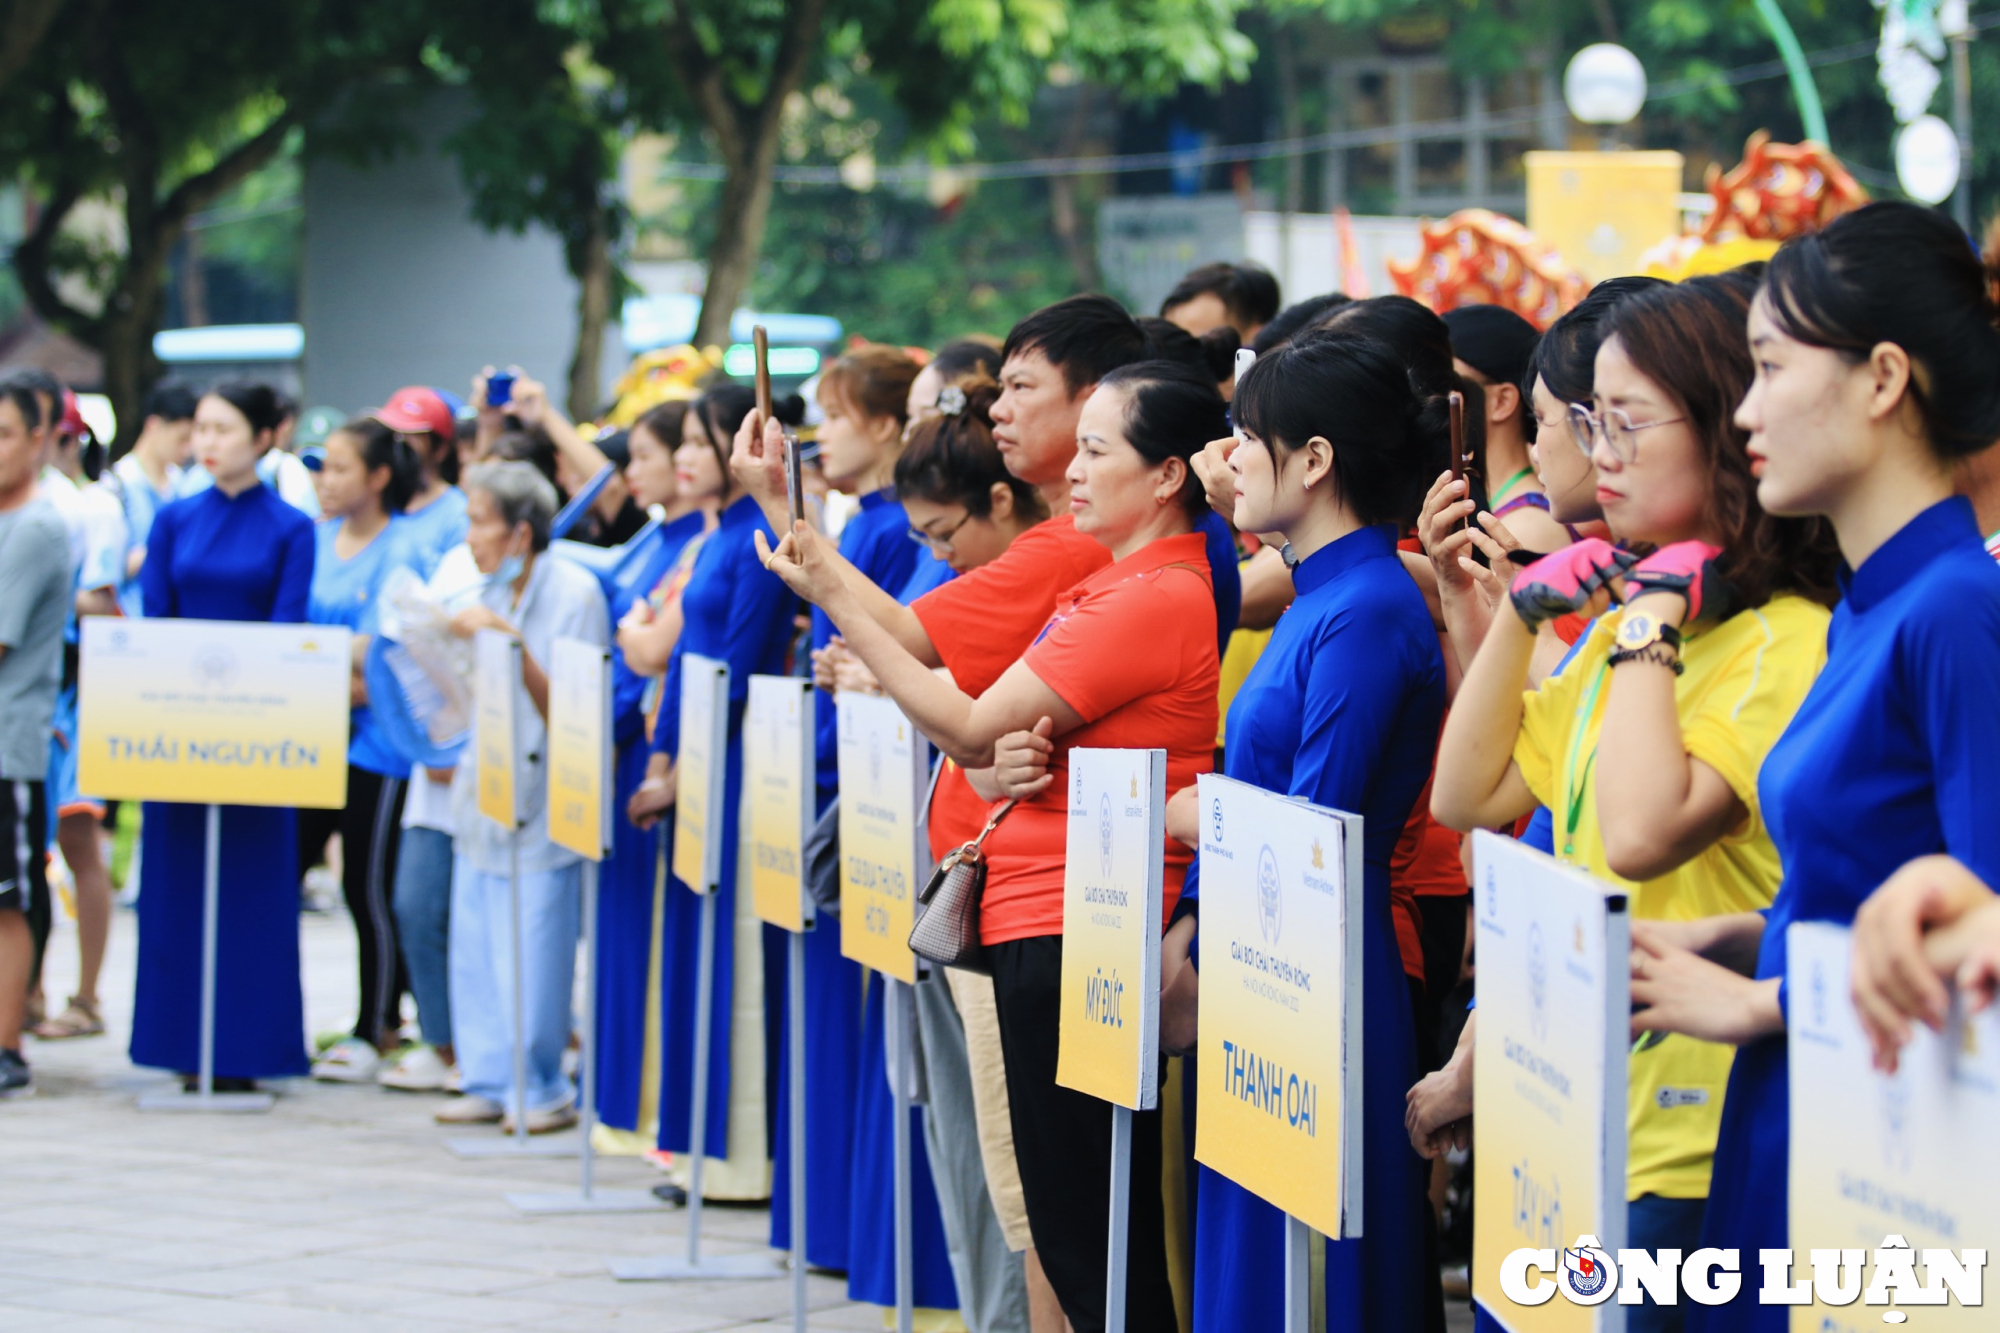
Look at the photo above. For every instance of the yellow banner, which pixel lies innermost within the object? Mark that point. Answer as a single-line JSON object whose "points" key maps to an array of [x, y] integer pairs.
{"points": [[881, 784], [1548, 1074], [778, 776], [700, 778], [213, 712], [1109, 1045], [1277, 1108], [1908, 1154], [580, 748], [496, 666]]}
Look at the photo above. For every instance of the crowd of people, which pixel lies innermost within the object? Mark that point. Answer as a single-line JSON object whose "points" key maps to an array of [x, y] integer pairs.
{"points": [[1703, 607]]}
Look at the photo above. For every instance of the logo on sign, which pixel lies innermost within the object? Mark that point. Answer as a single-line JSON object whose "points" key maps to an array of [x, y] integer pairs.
{"points": [[1588, 1274], [1538, 983], [1104, 832], [1270, 896], [1492, 895], [1215, 818], [875, 761], [1818, 989], [1896, 1119], [215, 667]]}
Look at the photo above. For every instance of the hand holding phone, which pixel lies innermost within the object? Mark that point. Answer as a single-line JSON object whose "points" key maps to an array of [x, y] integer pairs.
{"points": [[499, 388]]}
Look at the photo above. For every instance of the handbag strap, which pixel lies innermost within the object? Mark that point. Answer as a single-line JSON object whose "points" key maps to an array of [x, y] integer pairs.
{"points": [[994, 822]]}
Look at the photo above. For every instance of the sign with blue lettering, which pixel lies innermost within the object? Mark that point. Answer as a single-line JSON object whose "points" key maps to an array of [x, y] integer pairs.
{"points": [[701, 772], [1109, 1040], [1909, 1154], [779, 799], [1279, 1098], [1548, 1072], [213, 712]]}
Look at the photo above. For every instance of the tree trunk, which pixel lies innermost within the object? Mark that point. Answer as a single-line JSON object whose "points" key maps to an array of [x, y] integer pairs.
{"points": [[126, 342], [745, 208], [595, 281], [27, 22], [1067, 218]]}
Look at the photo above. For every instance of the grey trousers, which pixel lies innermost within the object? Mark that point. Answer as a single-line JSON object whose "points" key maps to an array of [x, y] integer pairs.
{"points": [[992, 1285]]}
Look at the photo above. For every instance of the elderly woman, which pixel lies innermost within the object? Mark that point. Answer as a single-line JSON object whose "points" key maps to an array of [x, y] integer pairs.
{"points": [[536, 601]]}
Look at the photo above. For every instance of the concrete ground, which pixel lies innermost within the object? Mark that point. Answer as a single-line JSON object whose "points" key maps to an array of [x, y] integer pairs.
{"points": [[340, 1211]]}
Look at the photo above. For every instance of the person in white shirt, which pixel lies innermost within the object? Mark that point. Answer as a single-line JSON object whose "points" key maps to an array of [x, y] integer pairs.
{"points": [[149, 474]]}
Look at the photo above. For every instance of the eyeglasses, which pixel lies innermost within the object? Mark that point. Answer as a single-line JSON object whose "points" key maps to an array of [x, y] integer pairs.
{"points": [[940, 542], [1616, 428]]}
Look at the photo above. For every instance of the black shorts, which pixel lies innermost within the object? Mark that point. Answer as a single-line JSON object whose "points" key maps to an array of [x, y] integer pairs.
{"points": [[24, 845]]}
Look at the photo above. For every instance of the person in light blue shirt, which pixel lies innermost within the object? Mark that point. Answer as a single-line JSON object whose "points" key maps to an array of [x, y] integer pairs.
{"points": [[365, 480], [535, 600]]}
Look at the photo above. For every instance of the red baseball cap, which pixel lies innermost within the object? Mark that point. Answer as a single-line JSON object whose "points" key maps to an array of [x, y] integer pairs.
{"points": [[415, 409], [72, 423]]}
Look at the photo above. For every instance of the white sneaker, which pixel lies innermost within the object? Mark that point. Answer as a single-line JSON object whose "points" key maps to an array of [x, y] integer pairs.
{"points": [[349, 1060], [417, 1069], [468, 1111], [545, 1121]]}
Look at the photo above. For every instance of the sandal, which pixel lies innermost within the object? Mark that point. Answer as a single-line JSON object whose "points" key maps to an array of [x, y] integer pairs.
{"points": [[79, 1020]]}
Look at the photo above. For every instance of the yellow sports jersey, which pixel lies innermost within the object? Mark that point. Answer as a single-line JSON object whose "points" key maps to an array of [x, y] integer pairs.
{"points": [[1743, 681], [1245, 647]]}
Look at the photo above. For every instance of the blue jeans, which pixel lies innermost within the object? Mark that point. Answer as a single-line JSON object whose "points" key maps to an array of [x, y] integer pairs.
{"points": [[423, 926], [482, 980], [1653, 1222]]}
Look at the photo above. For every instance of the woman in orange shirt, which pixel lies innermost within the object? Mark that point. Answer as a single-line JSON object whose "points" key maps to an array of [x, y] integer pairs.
{"points": [[1080, 684]]}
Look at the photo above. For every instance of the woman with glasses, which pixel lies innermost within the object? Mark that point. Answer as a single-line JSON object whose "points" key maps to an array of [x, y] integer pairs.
{"points": [[1711, 628]]}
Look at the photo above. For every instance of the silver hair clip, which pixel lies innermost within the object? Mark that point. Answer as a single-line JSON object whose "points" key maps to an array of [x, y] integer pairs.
{"points": [[951, 400]]}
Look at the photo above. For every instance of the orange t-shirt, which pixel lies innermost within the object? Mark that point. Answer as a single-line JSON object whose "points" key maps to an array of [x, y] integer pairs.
{"points": [[1132, 650], [981, 623]]}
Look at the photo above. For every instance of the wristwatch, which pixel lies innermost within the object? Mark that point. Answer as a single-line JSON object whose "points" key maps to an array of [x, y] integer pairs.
{"points": [[1644, 638], [1638, 630]]}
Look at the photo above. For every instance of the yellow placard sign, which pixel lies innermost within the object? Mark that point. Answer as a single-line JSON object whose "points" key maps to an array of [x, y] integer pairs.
{"points": [[780, 797], [496, 667], [580, 748], [213, 712], [1909, 1154], [1109, 1044], [700, 775], [881, 786], [1278, 1104], [1548, 1074]]}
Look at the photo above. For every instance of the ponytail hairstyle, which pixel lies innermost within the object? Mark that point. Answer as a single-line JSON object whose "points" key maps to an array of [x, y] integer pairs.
{"points": [[1214, 351], [381, 447], [259, 404], [1172, 410], [1895, 272], [1687, 339], [722, 410], [1390, 440], [963, 358], [951, 458]]}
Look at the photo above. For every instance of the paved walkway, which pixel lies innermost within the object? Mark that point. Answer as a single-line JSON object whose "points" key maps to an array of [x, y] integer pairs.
{"points": [[340, 1211]]}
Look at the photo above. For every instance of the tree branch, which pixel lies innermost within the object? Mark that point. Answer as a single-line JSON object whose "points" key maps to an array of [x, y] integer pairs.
{"points": [[796, 49], [701, 74], [31, 267], [199, 191]]}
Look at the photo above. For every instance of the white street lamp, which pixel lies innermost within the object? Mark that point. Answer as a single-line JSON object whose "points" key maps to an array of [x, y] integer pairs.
{"points": [[1605, 85]]}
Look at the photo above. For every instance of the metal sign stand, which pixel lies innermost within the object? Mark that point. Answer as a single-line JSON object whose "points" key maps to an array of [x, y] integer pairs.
{"points": [[897, 1018], [1298, 1275], [587, 1198], [694, 1267], [205, 1097], [1121, 1207], [795, 977]]}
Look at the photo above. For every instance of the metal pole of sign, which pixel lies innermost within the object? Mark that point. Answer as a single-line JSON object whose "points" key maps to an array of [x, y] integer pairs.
{"points": [[588, 1198], [1298, 1275], [206, 1098], [1121, 1206], [897, 1017], [518, 1095], [704, 1014], [694, 1266], [795, 976]]}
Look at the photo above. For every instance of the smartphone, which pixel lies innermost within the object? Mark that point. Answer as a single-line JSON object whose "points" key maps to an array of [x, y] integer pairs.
{"points": [[1245, 358], [499, 388], [795, 491], [761, 341], [1457, 403]]}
